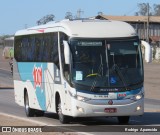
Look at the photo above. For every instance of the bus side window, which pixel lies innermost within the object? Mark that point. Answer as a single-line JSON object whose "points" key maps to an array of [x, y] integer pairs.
{"points": [[17, 49], [54, 49], [32, 53], [24, 48], [40, 56]]}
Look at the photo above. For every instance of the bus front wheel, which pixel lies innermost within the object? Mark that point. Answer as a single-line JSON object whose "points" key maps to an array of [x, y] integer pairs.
{"points": [[123, 119], [29, 111], [62, 118]]}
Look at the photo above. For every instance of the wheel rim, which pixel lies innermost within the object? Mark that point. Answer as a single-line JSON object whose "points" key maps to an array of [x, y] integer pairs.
{"points": [[26, 104], [60, 112]]}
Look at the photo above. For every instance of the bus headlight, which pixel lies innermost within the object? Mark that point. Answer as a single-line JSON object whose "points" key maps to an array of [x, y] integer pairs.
{"points": [[137, 97], [80, 98]]}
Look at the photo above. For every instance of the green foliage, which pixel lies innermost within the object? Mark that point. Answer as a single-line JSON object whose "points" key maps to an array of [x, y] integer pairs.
{"points": [[156, 9], [46, 19], [154, 52], [143, 8], [68, 15]]}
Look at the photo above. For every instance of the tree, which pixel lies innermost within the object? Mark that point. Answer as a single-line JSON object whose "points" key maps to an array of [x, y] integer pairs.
{"points": [[156, 9], [100, 13], [68, 15], [136, 14], [143, 9], [46, 19]]}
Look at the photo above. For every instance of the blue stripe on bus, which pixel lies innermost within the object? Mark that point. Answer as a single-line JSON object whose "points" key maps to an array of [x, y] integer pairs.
{"points": [[120, 95], [26, 73]]}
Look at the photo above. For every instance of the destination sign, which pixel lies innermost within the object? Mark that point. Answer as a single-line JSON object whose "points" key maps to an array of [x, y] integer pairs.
{"points": [[90, 43]]}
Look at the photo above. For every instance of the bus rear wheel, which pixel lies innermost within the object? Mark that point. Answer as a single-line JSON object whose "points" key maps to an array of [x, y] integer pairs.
{"points": [[62, 118], [123, 120], [29, 111], [39, 113]]}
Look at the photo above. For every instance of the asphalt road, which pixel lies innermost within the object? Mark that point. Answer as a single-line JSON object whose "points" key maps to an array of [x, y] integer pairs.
{"points": [[150, 118], [6, 79]]}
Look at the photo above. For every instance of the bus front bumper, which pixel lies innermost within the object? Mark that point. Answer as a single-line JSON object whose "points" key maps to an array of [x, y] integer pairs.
{"points": [[84, 109]]}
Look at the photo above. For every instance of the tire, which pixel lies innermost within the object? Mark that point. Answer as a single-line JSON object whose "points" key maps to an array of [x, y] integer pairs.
{"points": [[29, 111], [39, 113], [62, 118], [123, 120]]}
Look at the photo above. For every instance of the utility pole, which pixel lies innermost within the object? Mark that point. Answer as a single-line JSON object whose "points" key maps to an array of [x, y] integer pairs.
{"points": [[79, 13], [148, 22]]}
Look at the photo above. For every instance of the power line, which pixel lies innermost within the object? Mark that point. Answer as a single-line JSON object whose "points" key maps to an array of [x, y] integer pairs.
{"points": [[134, 9]]}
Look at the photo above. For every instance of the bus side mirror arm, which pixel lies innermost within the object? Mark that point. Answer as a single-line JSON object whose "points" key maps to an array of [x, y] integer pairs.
{"points": [[66, 52], [148, 51]]}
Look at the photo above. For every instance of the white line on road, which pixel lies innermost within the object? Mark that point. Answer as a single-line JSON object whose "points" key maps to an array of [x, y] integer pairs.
{"points": [[40, 123], [5, 70], [25, 119]]}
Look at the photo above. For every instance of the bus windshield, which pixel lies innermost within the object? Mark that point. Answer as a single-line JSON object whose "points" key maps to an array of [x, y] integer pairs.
{"points": [[102, 64]]}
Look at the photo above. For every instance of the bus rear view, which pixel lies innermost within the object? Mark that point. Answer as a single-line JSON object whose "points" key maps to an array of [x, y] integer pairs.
{"points": [[96, 69]]}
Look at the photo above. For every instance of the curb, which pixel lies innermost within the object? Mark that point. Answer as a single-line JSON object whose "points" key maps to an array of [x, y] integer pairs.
{"points": [[8, 87]]}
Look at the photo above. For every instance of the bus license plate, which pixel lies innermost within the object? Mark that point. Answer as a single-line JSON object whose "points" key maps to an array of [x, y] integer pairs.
{"points": [[110, 110]]}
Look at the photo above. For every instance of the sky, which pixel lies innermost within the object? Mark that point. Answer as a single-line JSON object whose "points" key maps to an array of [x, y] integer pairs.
{"points": [[18, 14]]}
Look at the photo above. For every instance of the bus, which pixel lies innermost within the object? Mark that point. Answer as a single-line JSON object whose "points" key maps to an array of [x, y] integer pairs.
{"points": [[8, 51], [79, 68]]}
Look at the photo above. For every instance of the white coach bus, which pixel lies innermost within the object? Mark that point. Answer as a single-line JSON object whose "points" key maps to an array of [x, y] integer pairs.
{"points": [[79, 68]]}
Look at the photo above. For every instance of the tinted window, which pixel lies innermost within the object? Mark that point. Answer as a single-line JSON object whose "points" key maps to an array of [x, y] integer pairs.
{"points": [[37, 48]]}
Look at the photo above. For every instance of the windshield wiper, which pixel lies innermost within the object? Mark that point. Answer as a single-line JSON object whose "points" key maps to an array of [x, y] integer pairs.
{"points": [[119, 73], [99, 70]]}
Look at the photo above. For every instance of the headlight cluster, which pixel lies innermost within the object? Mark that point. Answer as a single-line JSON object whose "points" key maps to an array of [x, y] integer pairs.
{"points": [[80, 98], [137, 97]]}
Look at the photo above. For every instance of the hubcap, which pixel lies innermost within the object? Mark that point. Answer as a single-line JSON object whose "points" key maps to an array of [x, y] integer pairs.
{"points": [[60, 112], [27, 104]]}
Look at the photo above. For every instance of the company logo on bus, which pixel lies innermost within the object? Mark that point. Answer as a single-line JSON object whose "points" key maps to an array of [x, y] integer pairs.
{"points": [[122, 95], [37, 76], [110, 102]]}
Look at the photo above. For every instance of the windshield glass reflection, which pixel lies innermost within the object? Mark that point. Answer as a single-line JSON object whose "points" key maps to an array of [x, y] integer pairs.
{"points": [[106, 63]]}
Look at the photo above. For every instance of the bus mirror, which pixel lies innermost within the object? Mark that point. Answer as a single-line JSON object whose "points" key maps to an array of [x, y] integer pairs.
{"points": [[148, 51], [66, 52]]}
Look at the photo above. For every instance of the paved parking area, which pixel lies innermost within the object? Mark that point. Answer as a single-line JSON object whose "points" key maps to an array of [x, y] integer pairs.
{"points": [[152, 80]]}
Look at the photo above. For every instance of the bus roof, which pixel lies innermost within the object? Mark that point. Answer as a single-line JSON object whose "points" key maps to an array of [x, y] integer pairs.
{"points": [[91, 28]]}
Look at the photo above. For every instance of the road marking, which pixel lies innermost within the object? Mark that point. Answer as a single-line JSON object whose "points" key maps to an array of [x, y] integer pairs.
{"points": [[5, 70], [151, 110], [72, 130], [24, 119], [136, 121], [41, 123]]}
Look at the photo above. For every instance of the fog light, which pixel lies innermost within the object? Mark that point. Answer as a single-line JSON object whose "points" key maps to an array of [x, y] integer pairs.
{"points": [[80, 109], [138, 108]]}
